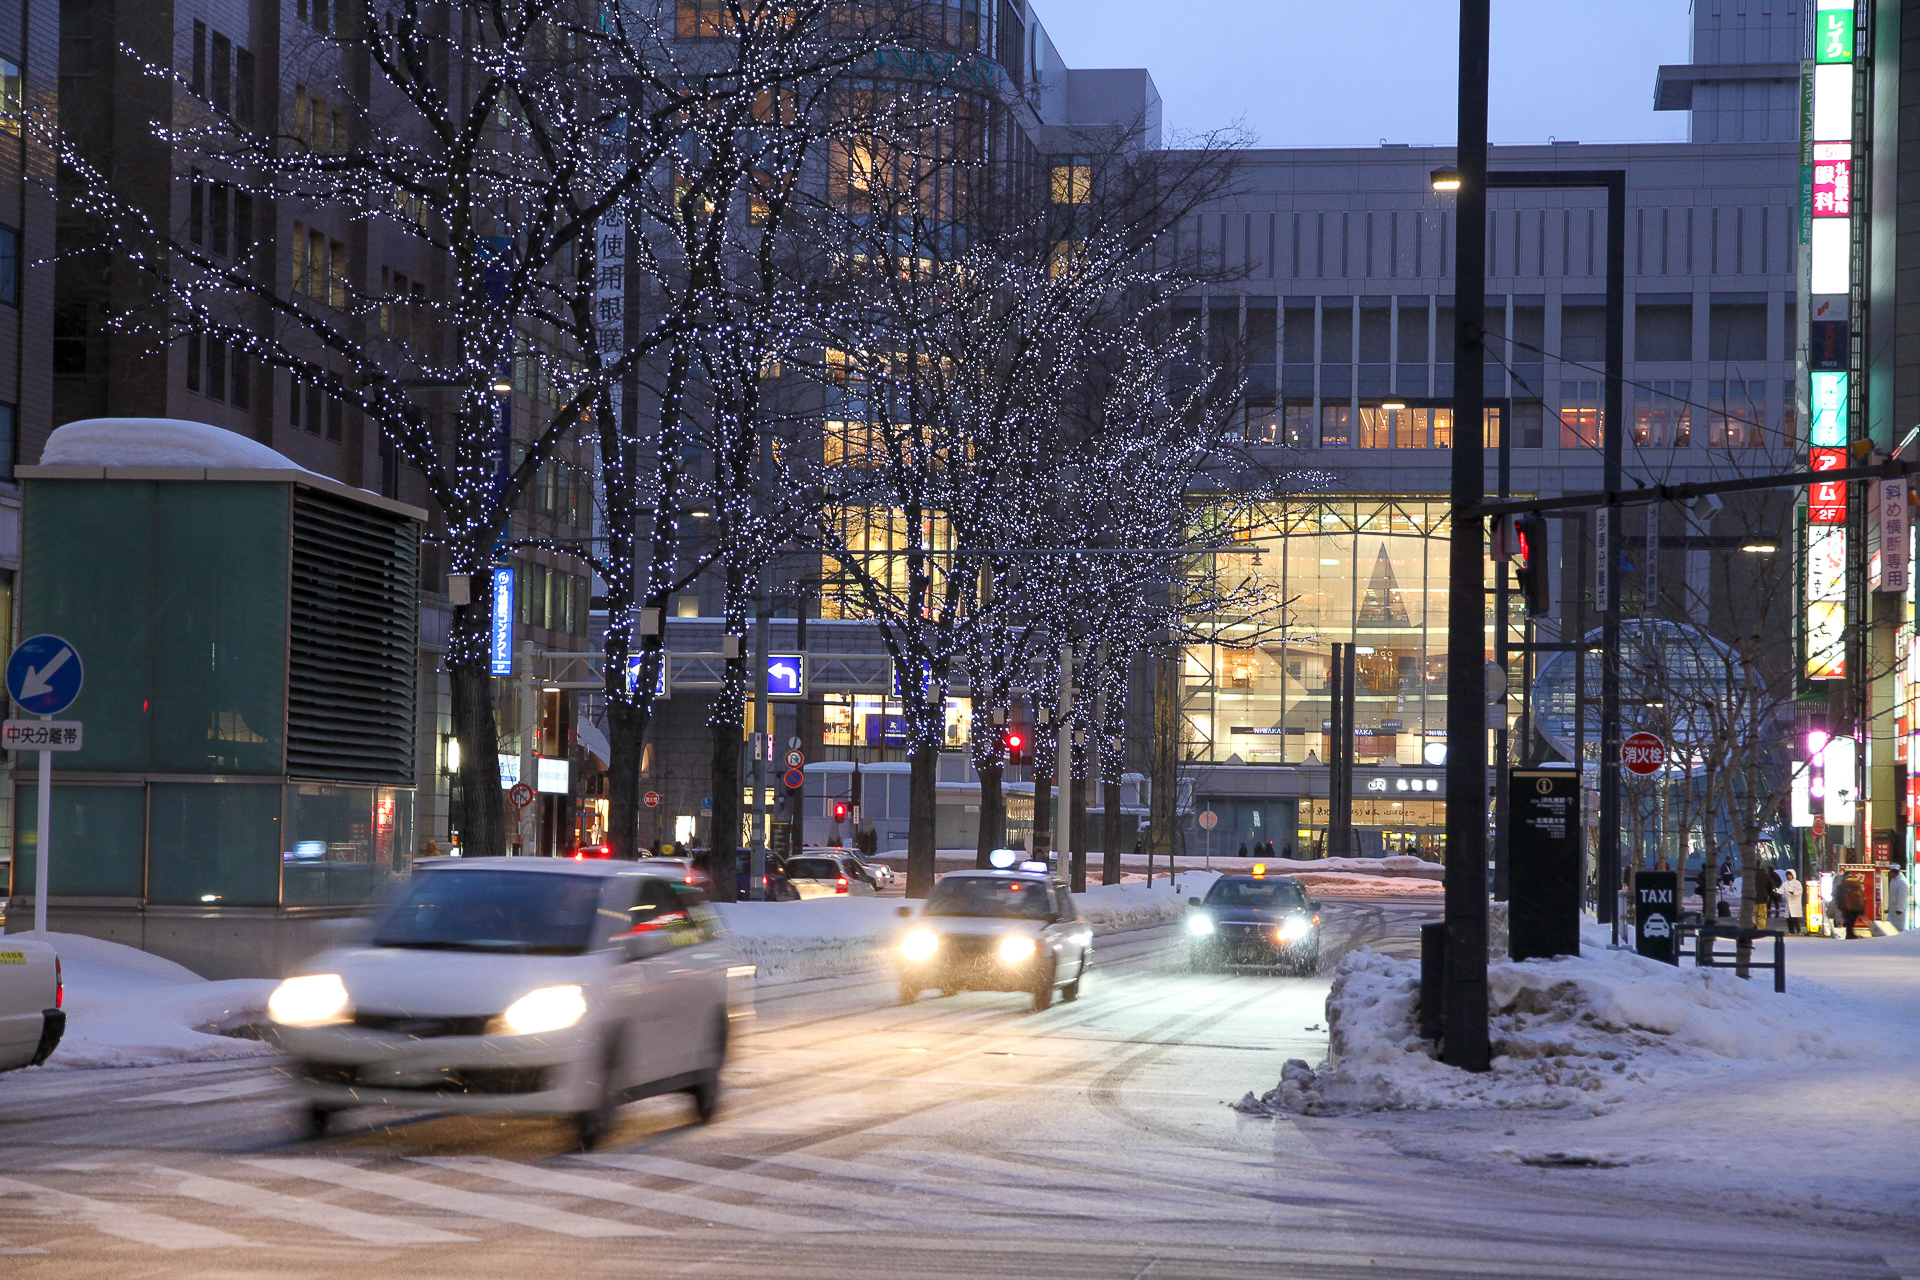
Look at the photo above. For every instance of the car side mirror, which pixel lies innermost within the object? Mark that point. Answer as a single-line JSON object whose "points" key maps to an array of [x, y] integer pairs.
{"points": [[905, 913], [1193, 902], [644, 946]]}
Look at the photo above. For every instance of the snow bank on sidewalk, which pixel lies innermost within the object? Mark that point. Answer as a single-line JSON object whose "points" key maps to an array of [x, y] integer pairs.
{"points": [[1576, 1032], [126, 1008], [826, 937], [1344, 884]]}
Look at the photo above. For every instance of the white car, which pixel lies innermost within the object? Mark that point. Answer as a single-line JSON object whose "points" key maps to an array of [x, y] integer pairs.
{"points": [[996, 931], [31, 995], [539, 985], [826, 875], [881, 873]]}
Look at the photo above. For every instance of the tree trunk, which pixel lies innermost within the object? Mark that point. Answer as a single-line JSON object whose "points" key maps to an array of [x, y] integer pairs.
{"points": [[1042, 839], [1111, 837], [482, 814], [725, 771], [626, 730], [1077, 830], [993, 812], [1165, 766], [924, 759]]}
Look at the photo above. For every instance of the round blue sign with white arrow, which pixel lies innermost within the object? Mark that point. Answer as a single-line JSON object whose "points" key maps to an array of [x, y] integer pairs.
{"points": [[43, 676]]}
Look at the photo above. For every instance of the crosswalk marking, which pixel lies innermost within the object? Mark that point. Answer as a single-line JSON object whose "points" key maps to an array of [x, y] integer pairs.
{"points": [[125, 1221], [474, 1204], [214, 1092], [783, 1189], [575, 1184], [1026, 1200], [370, 1228]]}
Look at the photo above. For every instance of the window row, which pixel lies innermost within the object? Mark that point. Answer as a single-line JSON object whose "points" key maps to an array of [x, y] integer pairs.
{"points": [[312, 410], [222, 75], [219, 216], [319, 124], [552, 598], [319, 266], [221, 373]]}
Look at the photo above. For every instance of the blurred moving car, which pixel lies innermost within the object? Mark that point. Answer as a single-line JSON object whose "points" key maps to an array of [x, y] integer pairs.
{"points": [[518, 985], [996, 931], [32, 994], [824, 875], [1254, 921], [591, 851]]}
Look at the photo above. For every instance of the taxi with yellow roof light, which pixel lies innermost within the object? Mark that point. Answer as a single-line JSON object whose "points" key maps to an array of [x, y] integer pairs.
{"points": [[1254, 921]]}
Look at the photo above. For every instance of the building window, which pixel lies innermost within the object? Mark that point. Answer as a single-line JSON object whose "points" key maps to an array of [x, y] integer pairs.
{"points": [[1071, 180], [221, 79], [216, 370], [1336, 426], [697, 19], [1737, 327], [1297, 422], [196, 207], [70, 336], [219, 217], [194, 357], [9, 440], [1663, 328], [197, 79], [1736, 412], [1661, 418], [12, 104], [1528, 424], [9, 266], [1579, 415]]}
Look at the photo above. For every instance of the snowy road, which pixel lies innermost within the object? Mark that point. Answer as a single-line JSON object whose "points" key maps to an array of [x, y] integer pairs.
{"points": [[956, 1137]]}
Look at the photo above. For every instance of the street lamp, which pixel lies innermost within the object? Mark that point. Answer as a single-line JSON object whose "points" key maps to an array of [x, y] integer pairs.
{"points": [[1446, 179], [1762, 542]]}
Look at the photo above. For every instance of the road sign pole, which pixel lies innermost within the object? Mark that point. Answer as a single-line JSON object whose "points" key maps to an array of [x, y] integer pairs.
{"points": [[41, 842]]}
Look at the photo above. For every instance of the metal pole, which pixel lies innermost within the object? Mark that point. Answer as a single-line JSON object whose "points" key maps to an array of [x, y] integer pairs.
{"points": [[1465, 998], [757, 846], [1063, 759], [1502, 743], [42, 842], [1348, 738], [1614, 429]]}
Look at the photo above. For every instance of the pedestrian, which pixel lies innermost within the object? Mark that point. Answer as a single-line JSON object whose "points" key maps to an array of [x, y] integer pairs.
{"points": [[1703, 888], [1661, 863], [1243, 849], [430, 849], [1723, 884], [1897, 888], [1793, 895], [1771, 879], [1287, 852], [1850, 896]]}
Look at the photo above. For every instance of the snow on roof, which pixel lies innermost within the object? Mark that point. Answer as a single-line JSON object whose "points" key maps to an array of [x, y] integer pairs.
{"points": [[158, 442]]}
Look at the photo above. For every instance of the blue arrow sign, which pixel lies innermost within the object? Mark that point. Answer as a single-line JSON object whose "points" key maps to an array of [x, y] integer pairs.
{"points": [[43, 676], [636, 661], [784, 675]]}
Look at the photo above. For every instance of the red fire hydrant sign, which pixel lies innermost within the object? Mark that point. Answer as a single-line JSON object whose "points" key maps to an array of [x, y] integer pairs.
{"points": [[1643, 754]]}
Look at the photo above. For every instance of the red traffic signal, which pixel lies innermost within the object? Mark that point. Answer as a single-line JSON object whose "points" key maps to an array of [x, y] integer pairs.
{"points": [[1017, 745], [839, 810]]}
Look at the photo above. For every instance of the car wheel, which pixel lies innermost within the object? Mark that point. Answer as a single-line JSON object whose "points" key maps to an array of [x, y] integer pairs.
{"points": [[314, 1121], [706, 1093], [591, 1127], [1071, 992], [1200, 962], [1043, 993], [908, 992]]}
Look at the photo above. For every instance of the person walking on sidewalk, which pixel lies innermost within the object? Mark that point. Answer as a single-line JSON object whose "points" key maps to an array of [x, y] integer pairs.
{"points": [[1850, 896], [1794, 895]]}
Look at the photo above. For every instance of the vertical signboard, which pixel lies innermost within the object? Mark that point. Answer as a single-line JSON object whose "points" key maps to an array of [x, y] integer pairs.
{"points": [[1543, 865], [1656, 915], [1826, 605], [1603, 559], [500, 643], [1887, 537]]}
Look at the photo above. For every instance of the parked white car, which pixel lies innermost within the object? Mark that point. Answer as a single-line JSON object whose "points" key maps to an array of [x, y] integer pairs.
{"points": [[828, 874], [520, 985], [31, 995]]}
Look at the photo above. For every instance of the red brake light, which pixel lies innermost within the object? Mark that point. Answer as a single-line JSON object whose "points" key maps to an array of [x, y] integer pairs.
{"points": [[840, 885], [59, 985]]}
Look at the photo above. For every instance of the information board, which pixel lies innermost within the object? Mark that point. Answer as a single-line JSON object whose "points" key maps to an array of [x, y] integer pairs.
{"points": [[1543, 865]]}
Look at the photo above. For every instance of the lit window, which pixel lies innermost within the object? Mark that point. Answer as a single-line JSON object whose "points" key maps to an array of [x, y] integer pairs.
{"points": [[1072, 181]]}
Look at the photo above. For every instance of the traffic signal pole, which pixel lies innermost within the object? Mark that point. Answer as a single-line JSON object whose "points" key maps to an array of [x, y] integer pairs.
{"points": [[1464, 989]]}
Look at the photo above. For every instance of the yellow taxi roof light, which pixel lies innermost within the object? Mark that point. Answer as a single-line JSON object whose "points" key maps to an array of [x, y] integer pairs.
{"points": [[1259, 868]]}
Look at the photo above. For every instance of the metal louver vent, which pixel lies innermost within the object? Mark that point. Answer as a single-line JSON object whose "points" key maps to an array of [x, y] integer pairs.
{"points": [[350, 680]]}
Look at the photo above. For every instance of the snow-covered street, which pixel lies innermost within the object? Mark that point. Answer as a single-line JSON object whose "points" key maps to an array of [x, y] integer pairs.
{"points": [[957, 1137]]}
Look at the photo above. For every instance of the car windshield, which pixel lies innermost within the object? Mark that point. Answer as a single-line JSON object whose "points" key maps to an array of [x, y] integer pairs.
{"points": [[1271, 895], [813, 869], [989, 896], [521, 912]]}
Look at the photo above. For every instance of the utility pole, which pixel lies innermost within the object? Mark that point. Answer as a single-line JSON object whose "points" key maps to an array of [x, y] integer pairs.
{"points": [[757, 847], [1464, 1000]]}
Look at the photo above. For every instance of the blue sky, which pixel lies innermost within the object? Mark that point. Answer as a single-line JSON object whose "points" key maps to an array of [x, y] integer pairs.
{"points": [[1351, 72]]}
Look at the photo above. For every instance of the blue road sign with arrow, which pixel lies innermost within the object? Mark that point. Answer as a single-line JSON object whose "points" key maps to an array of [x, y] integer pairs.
{"points": [[785, 678], [44, 676]]}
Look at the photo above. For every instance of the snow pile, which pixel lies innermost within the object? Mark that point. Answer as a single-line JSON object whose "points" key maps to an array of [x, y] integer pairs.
{"points": [[1583, 1031], [1345, 884], [157, 442], [126, 1008]]}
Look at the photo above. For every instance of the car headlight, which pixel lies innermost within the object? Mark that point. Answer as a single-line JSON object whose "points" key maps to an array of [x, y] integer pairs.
{"points": [[1015, 948], [311, 1000], [1295, 928], [919, 945], [1199, 925], [547, 1009]]}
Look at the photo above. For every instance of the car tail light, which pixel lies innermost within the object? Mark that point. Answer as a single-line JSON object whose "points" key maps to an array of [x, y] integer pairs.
{"points": [[840, 885], [59, 985]]}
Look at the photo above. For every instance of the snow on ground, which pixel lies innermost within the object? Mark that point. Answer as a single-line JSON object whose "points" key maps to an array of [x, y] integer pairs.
{"points": [[1345, 884], [822, 937], [1588, 1031], [126, 1008]]}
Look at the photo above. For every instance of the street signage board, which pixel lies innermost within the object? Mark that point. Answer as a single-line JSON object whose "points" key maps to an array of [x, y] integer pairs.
{"points": [[1544, 865], [42, 735], [500, 636], [651, 799], [1208, 819], [1656, 915], [1643, 754], [786, 675], [44, 675], [636, 661], [796, 760], [521, 795], [794, 779]]}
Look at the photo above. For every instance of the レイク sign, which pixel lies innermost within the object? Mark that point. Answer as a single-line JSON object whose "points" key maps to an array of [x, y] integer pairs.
{"points": [[1643, 754]]}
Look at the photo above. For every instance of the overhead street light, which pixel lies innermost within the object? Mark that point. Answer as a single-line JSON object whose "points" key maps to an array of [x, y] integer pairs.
{"points": [[1761, 543], [1446, 179]]}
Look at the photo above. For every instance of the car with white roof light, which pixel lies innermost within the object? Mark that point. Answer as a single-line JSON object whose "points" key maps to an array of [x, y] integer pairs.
{"points": [[519, 985], [1007, 929]]}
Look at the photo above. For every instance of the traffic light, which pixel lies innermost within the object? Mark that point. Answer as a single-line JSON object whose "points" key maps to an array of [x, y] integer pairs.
{"points": [[1018, 744], [839, 810], [1531, 536]]}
